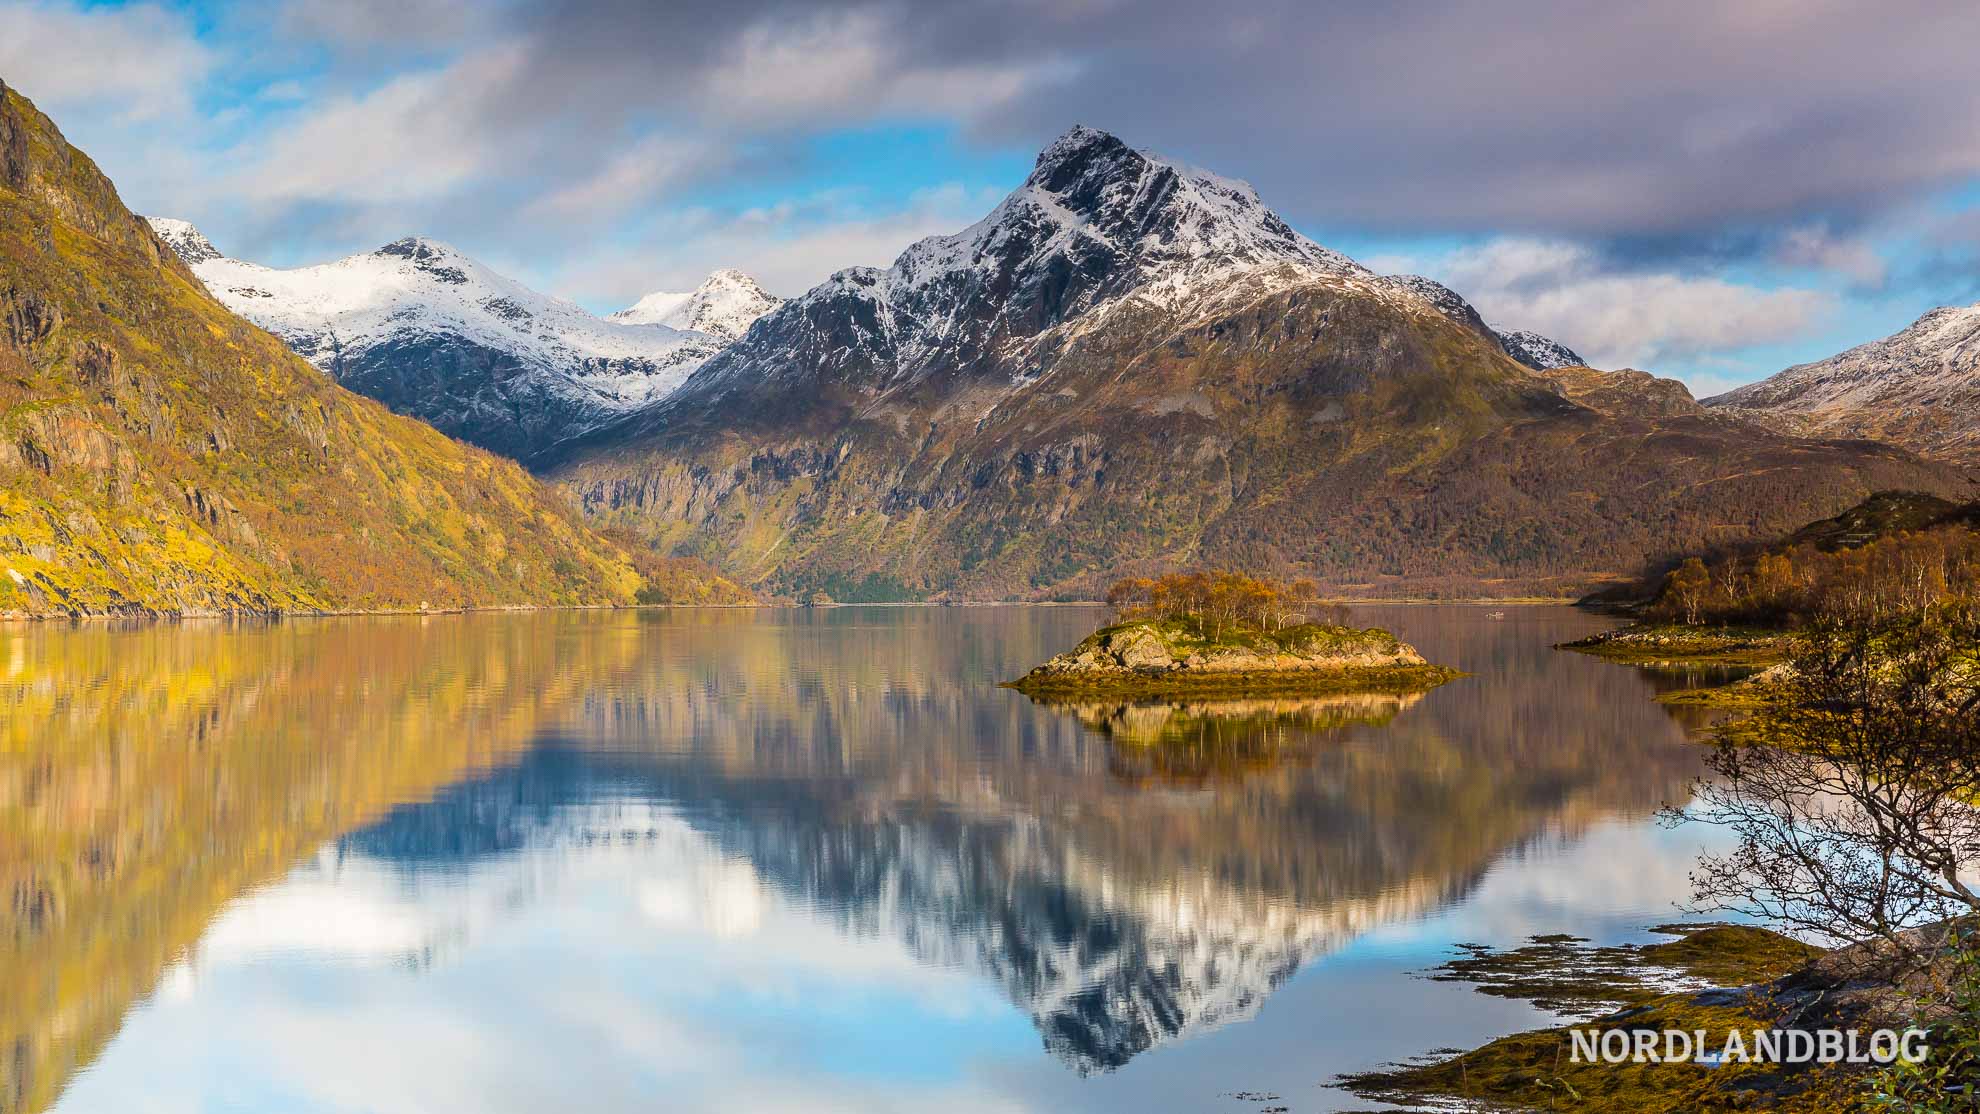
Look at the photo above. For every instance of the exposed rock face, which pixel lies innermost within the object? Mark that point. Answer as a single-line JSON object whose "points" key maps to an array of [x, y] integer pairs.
{"points": [[1130, 364], [1919, 388], [160, 455]]}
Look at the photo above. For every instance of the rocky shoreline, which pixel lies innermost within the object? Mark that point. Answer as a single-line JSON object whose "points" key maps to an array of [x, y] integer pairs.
{"points": [[1672, 644]]}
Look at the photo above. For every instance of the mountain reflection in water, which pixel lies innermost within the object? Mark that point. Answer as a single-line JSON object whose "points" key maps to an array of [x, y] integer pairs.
{"points": [[219, 810]]}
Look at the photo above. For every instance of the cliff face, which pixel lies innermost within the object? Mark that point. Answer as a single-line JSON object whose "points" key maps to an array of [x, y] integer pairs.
{"points": [[160, 455]]}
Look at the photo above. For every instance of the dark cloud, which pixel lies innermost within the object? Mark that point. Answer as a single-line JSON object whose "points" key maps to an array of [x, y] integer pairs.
{"points": [[1661, 122]]}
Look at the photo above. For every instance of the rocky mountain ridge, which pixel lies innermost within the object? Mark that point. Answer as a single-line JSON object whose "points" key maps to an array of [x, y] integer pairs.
{"points": [[435, 334], [1919, 387]]}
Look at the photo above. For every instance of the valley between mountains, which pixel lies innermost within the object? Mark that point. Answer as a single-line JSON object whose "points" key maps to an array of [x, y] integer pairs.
{"points": [[1127, 365]]}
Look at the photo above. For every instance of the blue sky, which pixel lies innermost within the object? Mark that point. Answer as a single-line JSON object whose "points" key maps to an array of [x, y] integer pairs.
{"points": [[1704, 190]]}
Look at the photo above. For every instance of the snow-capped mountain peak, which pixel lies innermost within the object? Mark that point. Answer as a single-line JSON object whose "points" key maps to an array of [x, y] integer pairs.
{"points": [[1132, 217], [724, 305], [186, 242], [1096, 225], [432, 332]]}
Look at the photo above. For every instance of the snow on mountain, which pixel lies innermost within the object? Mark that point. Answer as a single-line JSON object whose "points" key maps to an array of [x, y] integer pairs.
{"points": [[185, 241], [1443, 299], [1535, 351], [433, 333], [1530, 348], [1919, 387], [724, 305], [1096, 225]]}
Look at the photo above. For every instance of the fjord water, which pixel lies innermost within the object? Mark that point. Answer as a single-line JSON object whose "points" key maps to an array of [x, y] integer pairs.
{"points": [[805, 859]]}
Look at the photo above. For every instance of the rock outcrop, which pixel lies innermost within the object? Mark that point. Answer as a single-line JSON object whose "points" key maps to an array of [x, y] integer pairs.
{"points": [[1169, 657]]}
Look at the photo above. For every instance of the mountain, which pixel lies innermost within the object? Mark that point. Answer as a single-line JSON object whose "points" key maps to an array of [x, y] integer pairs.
{"points": [[1537, 352], [432, 333], [1919, 388], [724, 305], [1529, 348], [1131, 364], [160, 455]]}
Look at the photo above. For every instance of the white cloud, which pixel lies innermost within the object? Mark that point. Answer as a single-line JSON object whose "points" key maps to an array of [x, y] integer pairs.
{"points": [[1849, 256], [370, 24], [850, 63], [132, 63], [640, 174], [415, 138], [1622, 318], [789, 246]]}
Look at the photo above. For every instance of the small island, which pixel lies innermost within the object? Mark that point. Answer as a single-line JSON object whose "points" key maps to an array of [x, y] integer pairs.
{"points": [[1227, 634]]}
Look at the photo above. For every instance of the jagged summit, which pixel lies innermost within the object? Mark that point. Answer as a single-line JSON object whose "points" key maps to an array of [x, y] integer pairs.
{"points": [[421, 248], [724, 305], [1095, 225], [1093, 203]]}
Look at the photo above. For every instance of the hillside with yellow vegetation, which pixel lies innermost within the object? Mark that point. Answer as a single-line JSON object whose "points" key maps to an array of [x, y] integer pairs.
{"points": [[159, 455]]}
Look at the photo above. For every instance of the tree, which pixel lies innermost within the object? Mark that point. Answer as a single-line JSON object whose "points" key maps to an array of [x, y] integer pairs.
{"points": [[1851, 797], [1688, 584], [1217, 601]]}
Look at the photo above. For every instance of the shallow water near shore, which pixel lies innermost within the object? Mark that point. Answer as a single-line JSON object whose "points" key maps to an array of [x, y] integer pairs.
{"points": [[804, 859]]}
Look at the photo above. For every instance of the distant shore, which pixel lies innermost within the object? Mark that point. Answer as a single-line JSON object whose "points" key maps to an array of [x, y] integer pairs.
{"points": [[14, 617]]}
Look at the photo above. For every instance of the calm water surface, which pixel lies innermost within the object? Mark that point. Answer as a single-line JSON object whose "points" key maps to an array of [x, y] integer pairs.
{"points": [[796, 859]]}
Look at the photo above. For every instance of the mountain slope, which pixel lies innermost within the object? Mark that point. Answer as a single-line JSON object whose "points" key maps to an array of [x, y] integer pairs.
{"points": [[1919, 388], [724, 305], [1130, 364], [1530, 348], [160, 455], [1535, 351], [430, 332]]}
